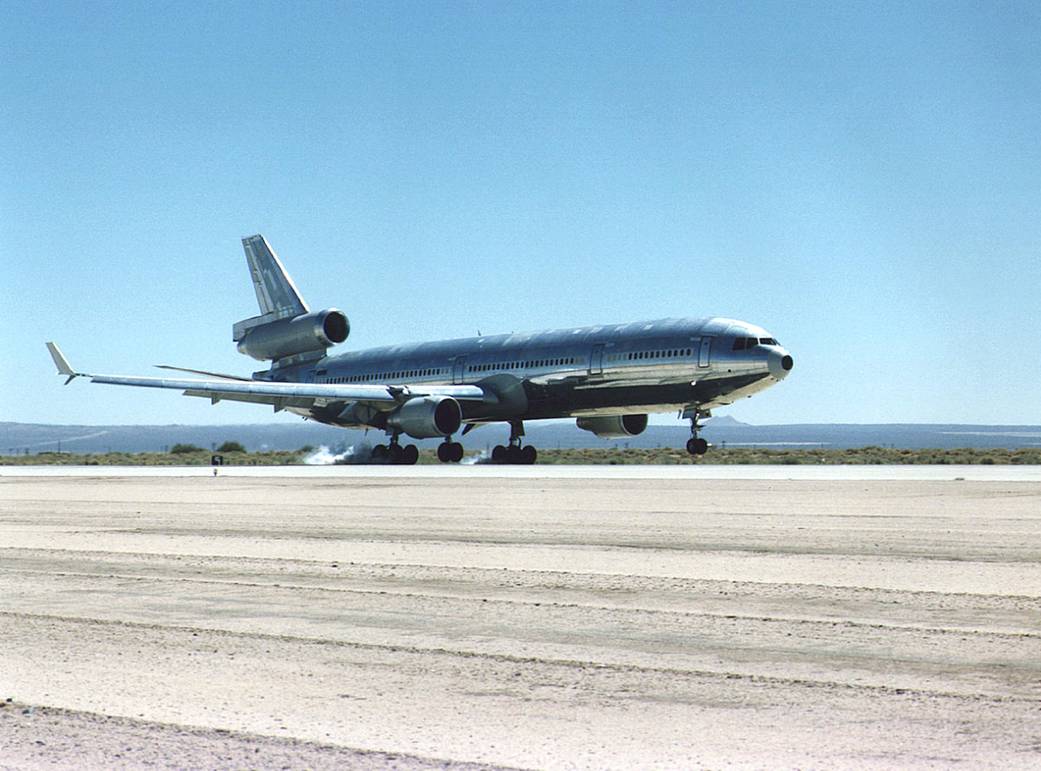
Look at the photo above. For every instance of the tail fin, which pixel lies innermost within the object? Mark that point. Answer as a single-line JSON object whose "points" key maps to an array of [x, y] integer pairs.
{"points": [[277, 295], [285, 332]]}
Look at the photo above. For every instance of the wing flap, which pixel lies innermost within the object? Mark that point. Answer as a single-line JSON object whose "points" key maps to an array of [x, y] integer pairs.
{"points": [[221, 375], [279, 401]]}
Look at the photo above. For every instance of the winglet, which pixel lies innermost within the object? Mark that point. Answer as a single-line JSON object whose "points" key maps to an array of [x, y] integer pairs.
{"points": [[61, 362]]}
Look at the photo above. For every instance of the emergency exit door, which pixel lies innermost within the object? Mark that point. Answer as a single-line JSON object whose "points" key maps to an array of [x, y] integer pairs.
{"points": [[705, 352], [459, 370], [596, 360]]}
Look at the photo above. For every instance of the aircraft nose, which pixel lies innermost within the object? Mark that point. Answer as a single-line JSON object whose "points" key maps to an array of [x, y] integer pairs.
{"points": [[781, 364]]}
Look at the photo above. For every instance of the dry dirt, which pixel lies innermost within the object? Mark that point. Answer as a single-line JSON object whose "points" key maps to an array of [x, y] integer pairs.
{"points": [[549, 623]]}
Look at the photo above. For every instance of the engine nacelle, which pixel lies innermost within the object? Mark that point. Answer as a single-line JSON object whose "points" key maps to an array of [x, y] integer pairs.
{"points": [[427, 416], [286, 337], [614, 426]]}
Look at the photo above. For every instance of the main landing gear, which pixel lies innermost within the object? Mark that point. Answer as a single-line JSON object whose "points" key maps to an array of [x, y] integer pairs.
{"points": [[696, 445], [396, 454], [513, 452], [449, 451]]}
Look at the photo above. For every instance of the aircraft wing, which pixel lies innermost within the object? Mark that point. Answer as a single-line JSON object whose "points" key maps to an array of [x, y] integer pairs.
{"points": [[279, 394]]}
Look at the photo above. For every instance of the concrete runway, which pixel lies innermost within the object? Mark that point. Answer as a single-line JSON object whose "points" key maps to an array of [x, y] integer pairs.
{"points": [[443, 621], [693, 471]]}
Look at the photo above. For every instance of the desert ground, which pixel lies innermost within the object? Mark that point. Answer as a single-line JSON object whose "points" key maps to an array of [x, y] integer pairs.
{"points": [[462, 622]]}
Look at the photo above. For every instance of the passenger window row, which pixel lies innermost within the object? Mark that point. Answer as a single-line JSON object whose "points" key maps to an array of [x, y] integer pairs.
{"points": [[668, 353], [405, 373], [504, 365]]}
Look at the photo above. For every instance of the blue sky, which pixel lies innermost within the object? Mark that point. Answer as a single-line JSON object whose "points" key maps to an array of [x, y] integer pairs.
{"points": [[862, 179]]}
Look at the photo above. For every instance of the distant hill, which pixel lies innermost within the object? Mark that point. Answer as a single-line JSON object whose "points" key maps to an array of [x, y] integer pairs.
{"points": [[19, 438]]}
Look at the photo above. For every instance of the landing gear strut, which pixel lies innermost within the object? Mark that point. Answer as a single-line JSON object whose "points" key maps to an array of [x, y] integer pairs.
{"points": [[394, 453], [449, 451], [696, 445], [513, 452]]}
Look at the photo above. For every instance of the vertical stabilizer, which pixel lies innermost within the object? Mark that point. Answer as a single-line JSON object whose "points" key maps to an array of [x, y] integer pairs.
{"points": [[285, 332], [277, 295]]}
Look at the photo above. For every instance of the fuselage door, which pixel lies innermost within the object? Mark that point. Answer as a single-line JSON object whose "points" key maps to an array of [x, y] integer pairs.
{"points": [[459, 370], [596, 360], [705, 352]]}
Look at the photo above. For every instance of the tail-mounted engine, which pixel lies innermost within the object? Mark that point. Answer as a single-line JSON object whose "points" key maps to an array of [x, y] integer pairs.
{"points": [[268, 340], [614, 426]]}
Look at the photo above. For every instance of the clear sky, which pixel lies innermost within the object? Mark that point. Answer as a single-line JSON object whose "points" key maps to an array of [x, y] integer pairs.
{"points": [[862, 179]]}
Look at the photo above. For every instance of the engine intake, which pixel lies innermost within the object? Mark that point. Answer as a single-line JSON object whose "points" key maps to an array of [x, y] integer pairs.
{"points": [[302, 334], [427, 416], [614, 426]]}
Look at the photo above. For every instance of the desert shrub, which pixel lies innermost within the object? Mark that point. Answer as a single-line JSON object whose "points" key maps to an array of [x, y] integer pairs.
{"points": [[231, 447], [184, 449]]}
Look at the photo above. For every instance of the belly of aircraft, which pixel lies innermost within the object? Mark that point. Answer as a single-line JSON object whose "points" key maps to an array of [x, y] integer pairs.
{"points": [[568, 401]]}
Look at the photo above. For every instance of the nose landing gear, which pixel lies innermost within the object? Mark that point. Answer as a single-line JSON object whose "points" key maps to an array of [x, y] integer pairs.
{"points": [[696, 445]]}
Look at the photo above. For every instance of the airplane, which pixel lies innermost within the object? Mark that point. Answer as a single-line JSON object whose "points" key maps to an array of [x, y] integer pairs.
{"points": [[609, 378]]}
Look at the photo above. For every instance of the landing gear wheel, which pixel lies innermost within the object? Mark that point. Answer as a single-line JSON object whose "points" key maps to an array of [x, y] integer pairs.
{"points": [[513, 454], [450, 452], [697, 446], [409, 455], [396, 453], [380, 453], [528, 454], [498, 454]]}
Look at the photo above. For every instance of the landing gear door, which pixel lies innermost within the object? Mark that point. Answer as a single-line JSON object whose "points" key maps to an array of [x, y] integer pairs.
{"points": [[596, 360], [705, 352], [459, 370]]}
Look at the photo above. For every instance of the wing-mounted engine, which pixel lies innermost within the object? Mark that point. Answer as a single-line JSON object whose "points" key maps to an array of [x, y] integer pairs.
{"points": [[425, 417], [268, 339], [614, 426]]}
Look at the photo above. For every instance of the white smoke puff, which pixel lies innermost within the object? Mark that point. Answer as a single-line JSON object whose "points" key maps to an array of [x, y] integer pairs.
{"points": [[473, 460], [323, 456]]}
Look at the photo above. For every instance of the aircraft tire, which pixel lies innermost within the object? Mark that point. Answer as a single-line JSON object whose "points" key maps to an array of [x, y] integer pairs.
{"points": [[528, 454], [409, 455], [498, 454], [379, 453], [397, 453], [513, 454], [697, 446], [456, 452], [442, 451]]}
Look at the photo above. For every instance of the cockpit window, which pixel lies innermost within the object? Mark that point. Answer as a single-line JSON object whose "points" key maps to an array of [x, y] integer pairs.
{"points": [[744, 343]]}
